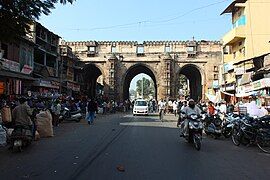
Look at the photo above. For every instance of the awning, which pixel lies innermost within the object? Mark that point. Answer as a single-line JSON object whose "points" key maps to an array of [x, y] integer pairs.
{"points": [[246, 78], [250, 59], [230, 8], [15, 75]]}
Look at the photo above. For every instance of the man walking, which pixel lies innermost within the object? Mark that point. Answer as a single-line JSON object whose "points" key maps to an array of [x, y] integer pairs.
{"points": [[91, 107]]}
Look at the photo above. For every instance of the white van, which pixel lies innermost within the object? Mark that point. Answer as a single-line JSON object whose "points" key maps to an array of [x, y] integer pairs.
{"points": [[140, 107]]}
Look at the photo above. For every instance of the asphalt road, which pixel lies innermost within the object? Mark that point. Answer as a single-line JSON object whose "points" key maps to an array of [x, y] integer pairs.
{"points": [[121, 146]]}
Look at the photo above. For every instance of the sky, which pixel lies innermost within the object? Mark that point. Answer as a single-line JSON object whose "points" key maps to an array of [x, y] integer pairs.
{"points": [[139, 20]]}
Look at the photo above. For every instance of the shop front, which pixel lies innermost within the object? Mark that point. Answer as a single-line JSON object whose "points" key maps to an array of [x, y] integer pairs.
{"points": [[14, 80], [259, 88], [71, 88], [45, 88]]}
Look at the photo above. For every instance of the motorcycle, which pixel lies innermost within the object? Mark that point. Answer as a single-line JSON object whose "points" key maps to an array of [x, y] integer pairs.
{"points": [[195, 127], [70, 116], [213, 125], [253, 131], [21, 137], [228, 123]]}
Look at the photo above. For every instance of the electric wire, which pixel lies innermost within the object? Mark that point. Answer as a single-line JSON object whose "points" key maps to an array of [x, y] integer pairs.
{"points": [[150, 22]]}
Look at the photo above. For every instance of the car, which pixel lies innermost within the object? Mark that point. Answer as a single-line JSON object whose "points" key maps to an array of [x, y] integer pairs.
{"points": [[140, 107]]}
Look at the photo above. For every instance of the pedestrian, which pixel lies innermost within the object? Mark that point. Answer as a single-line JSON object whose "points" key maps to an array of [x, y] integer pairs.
{"points": [[91, 108], [57, 112], [175, 105]]}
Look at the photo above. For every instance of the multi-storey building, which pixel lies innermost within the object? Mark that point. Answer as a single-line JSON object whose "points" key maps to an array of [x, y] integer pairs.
{"points": [[16, 65], [46, 60], [246, 45], [70, 74]]}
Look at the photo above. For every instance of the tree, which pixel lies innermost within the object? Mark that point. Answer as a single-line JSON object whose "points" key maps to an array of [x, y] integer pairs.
{"points": [[16, 16], [148, 88]]}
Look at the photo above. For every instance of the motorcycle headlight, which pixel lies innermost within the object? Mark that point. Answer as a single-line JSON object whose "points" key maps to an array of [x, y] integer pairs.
{"points": [[193, 116]]}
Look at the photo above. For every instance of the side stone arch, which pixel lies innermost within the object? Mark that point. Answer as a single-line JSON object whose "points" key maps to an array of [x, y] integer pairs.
{"points": [[196, 75], [91, 72]]}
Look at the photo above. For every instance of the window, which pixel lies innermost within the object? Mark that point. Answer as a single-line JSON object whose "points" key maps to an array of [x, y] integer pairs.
{"points": [[113, 50], [26, 57], [191, 48], [244, 51], [91, 51], [140, 49], [191, 55], [5, 48], [168, 66], [215, 76], [215, 68], [167, 48], [112, 65], [234, 55], [92, 48]]}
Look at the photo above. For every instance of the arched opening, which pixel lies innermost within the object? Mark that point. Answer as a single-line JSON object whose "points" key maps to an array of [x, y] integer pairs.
{"points": [[144, 74], [93, 80], [190, 81]]}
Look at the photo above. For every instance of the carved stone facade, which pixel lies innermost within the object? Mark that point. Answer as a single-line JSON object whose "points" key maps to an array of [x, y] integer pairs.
{"points": [[163, 61]]}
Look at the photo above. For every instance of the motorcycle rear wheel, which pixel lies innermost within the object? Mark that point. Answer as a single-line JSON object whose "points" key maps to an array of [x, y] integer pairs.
{"points": [[263, 143], [236, 137]]}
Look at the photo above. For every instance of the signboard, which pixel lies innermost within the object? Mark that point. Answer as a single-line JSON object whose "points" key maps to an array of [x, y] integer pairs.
{"points": [[256, 85], [48, 84], [228, 67], [27, 69], [239, 71], [10, 65], [74, 87]]}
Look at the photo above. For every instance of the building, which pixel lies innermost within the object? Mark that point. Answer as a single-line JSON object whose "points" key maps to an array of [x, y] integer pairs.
{"points": [[46, 61], [246, 45], [118, 62], [70, 73], [16, 66]]}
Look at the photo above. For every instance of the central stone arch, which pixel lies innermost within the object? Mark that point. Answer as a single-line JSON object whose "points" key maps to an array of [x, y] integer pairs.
{"points": [[132, 72], [195, 77]]}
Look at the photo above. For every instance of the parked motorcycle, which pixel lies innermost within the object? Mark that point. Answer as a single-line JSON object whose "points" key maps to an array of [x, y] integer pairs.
{"points": [[195, 127], [255, 131], [21, 137], [213, 125], [228, 123], [67, 115]]}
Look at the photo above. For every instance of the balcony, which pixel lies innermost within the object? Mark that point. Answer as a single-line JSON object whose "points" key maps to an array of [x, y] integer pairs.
{"points": [[228, 58], [234, 35]]}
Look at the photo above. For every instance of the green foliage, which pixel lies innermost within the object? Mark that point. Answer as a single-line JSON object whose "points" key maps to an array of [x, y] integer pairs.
{"points": [[148, 88], [17, 15]]}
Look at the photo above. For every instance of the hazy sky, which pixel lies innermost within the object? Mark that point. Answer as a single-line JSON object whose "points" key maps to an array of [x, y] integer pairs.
{"points": [[139, 20]]}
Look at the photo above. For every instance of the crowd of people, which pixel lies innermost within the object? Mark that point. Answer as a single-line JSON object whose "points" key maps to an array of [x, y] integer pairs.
{"points": [[87, 106]]}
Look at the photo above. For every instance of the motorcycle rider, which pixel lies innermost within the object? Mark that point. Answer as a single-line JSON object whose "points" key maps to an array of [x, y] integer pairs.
{"points": [[189, 110], [22, 113]]}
